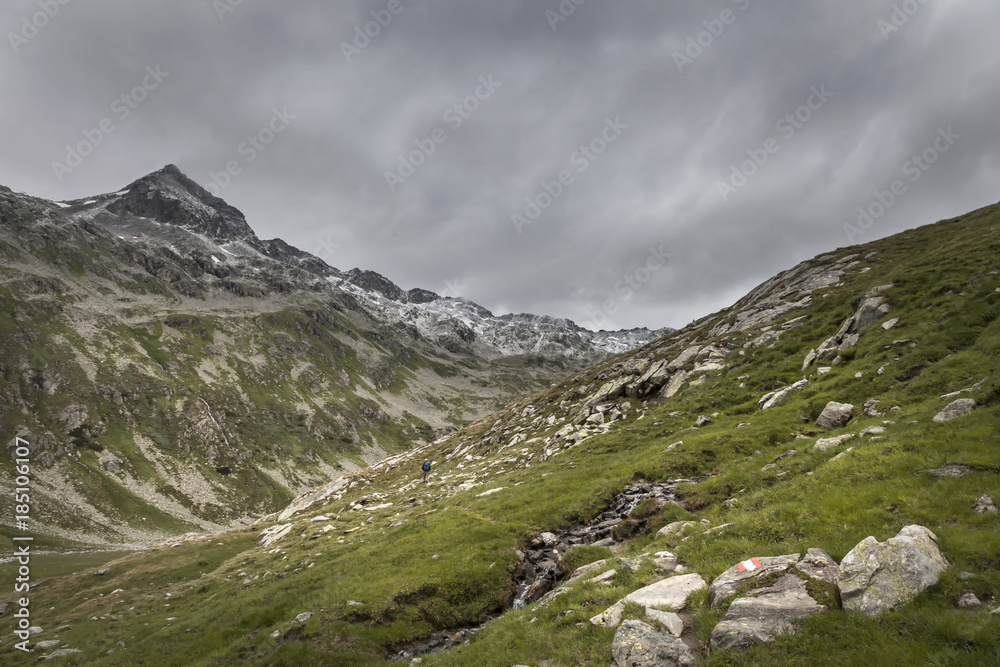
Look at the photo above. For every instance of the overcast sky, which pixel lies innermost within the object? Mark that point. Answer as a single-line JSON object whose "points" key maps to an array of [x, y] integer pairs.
{"points": [[667, 98]]}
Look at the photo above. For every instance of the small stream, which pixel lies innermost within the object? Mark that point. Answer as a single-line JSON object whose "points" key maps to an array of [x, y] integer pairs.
{"points": [[540, 570]]}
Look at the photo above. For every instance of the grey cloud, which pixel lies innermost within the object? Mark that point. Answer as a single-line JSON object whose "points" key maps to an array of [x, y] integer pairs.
{"points": [[321, 183]]}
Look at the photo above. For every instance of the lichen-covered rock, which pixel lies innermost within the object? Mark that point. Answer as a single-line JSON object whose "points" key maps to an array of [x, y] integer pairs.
{"points": [[878, 577], [638, 644], [764, 614], [724, 586]]}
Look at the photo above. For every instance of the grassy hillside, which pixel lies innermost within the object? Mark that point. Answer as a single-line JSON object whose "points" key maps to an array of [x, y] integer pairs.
{"points": [[157, 405], [390, 560]]}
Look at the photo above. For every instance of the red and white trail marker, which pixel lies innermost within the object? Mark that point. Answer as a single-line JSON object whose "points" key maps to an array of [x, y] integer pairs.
{"points": [[749, 565]]}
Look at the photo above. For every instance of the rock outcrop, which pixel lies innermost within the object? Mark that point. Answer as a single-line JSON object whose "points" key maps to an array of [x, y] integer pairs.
{"points": [[765, 613], [726, 584]]}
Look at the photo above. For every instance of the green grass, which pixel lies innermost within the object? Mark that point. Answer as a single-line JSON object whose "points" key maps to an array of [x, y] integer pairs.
{"points": [[441, 558]]}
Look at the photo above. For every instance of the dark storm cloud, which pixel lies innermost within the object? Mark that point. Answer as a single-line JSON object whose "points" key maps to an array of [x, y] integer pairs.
{"points": [[692, 90]]}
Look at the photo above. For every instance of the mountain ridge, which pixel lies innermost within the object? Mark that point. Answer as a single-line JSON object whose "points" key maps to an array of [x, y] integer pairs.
{"points": [[160, 354]]}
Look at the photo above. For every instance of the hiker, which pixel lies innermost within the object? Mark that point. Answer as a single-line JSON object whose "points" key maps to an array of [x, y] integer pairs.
{"points": [[427, 471]]}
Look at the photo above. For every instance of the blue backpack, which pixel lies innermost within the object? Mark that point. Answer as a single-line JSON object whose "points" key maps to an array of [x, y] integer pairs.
{"points": [[427, 465]]}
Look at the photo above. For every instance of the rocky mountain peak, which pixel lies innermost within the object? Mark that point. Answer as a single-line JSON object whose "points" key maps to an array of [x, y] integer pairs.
{"points": [[376, 282], [169, 197]]}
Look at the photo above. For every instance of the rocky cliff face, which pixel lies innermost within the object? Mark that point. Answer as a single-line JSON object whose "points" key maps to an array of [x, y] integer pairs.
{"points": [[175, 372]]}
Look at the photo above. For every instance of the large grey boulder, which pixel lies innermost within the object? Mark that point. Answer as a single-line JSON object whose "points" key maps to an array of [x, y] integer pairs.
{"points": [[638, 644], [878, 577], [724, 586], [959, 408], [835, 415], [670, 594], [765, 613]]}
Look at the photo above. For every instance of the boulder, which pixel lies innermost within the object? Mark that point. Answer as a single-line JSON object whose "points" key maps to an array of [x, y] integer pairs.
{"points": [[725, 584], [835, 415], [269, 536], [605, 578], [870, 408], [959, 408], [849, 343], [609, 391], [877, 577], [969, 601], [818, 564], [702, 421], [772, 399], [675, 527], [871, 310], [765, 613], [684, 359], [638, 644], [670, 594], [665, 560], [591, 569], [676, 383], [824, 444], [985, 505], [654, 378], [549, 539]]}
